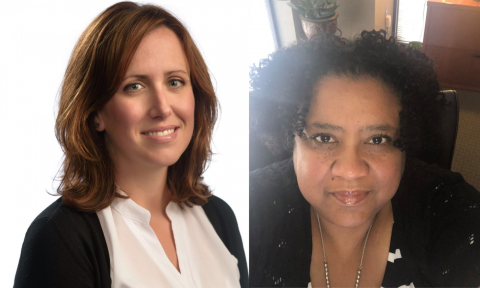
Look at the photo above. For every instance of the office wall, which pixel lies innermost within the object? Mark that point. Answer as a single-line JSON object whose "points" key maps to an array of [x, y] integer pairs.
{"points": [[380, 7], [355, 16]]}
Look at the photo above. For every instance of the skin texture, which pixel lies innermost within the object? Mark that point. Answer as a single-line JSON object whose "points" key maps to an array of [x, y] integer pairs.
{"points": [[354, 152], [161, 96]]}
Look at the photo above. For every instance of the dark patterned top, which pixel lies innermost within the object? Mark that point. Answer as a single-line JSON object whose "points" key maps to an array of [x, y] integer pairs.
{"points": [[434, 236]]}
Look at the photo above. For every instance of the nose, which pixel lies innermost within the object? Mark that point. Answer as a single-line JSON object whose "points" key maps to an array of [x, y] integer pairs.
{"points": [[161, 106], [349, 164]]}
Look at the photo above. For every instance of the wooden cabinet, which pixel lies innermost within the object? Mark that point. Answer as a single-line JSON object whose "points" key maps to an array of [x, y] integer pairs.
{"points": [[452, 40]]}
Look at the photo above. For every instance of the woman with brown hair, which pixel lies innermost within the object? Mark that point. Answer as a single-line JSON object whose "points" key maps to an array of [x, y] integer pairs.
{"points": [[135, 122]]}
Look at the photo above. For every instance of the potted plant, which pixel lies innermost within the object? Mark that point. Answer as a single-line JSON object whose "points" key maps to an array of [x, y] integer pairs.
{"points": [[317, 16]]}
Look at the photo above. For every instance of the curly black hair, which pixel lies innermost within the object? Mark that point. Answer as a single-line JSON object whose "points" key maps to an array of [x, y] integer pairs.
{"points": [[282, 86]]}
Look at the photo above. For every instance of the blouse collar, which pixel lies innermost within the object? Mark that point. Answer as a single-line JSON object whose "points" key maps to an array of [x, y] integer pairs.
{"points": [[128, 208]]}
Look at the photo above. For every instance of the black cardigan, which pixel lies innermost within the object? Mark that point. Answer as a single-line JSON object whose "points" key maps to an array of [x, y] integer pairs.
{"points": [[64, 247], [437, 228]]}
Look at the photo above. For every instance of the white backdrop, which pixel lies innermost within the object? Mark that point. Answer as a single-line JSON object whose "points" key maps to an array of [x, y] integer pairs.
{"points": [[36, 39]]}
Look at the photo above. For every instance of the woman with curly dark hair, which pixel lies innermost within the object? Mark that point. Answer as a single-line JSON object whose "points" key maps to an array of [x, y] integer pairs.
{"points": [[353, 206]]}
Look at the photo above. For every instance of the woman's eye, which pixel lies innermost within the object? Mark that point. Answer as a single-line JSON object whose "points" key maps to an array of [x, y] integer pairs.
{"points": [[175, 83], [377, 140], [324, 138], [133, 87]]}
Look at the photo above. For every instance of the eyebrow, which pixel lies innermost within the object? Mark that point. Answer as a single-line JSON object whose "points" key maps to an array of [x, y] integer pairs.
{"points": [[326, 126], [369, 128], [141, 76], [384, 128]]}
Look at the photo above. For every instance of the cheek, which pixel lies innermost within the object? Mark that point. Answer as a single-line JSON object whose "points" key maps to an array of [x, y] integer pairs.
{"points": [[312, 165], [190, 109], [185, 110], [388, 173], [122, 113]]}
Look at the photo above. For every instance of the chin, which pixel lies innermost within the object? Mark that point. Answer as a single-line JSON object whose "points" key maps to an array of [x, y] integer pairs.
{"points": [[159, 161], [168, 163], [350, 219], [350, 223]]}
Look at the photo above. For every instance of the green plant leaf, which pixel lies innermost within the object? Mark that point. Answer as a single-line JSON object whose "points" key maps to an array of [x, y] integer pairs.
{"points": [[328, 12], [308, 4], [302, 3], [299, 9], [319, 6]]}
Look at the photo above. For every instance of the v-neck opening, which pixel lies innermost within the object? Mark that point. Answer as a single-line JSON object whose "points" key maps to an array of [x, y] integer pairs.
{"points": [[176, 241], [138, 213], [311, 241], [179, 270]]}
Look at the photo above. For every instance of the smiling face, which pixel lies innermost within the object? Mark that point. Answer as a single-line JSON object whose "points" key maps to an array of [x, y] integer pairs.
{"points": [[155, 95], [346, 165]]}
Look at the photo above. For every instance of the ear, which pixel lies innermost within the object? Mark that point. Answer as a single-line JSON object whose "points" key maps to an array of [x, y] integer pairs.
{"points": [[99, 124]]}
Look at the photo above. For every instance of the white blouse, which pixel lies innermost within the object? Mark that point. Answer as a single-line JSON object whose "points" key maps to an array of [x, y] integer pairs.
{"points": [[137, 258]]}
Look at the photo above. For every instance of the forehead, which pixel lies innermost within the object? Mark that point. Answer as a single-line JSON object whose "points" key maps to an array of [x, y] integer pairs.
{"points": [[159, 49], [348, 102]]}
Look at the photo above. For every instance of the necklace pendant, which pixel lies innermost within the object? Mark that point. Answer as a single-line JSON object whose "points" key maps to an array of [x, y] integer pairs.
{"points": [[326, 273], [358, 279]]}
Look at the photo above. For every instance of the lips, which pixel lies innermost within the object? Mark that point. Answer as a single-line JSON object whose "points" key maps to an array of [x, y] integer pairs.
{"points": [[350, 197], [160, 129], [161, 135]]}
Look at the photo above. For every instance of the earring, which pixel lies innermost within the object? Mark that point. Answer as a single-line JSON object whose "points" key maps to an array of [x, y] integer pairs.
{"points": [[97, 124]]}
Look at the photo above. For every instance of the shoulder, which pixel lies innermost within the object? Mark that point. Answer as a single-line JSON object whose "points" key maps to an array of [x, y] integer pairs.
{"points": [[274, 193], [62, 237], [453, 247], [279, 173], [441, 213], [280, 229], [224, 222], [217, 208], [422, 175], [425, 187], [430, 196], [60, 213], [274, 184], [61, 221], [223, 219]]}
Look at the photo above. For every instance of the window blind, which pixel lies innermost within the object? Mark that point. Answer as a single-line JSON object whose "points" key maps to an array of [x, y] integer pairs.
{"points": [[411, 20]]}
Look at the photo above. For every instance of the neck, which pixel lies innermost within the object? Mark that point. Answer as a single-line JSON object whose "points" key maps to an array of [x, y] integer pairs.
{"points": [[147, 187], [347, 241]]}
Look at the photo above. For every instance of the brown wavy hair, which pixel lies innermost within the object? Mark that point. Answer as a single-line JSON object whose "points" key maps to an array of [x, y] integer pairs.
{"points": [[95, 70]]}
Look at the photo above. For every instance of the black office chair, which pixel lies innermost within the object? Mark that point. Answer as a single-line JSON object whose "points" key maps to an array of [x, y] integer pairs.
{"points": [[448, 128], [260, 156]]}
